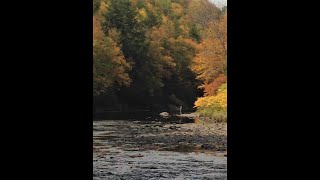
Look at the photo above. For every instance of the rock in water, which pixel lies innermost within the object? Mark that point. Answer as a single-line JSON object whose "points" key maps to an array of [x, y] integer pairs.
{"points": [[207, 146], [164, 114]]}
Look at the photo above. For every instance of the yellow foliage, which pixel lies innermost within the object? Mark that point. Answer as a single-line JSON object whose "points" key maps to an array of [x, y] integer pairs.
{"points": [[177, 9], [150, 7], [133, 3], [210, 65], [216, 102], [142, 15], [102, 11]]}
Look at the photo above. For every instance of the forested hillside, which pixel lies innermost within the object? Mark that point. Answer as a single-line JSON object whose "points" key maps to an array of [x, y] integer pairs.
{"points": [[159, 55]]}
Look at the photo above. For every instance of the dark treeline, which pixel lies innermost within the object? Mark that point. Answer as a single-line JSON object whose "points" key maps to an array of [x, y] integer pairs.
{"points": [[144, 53]]}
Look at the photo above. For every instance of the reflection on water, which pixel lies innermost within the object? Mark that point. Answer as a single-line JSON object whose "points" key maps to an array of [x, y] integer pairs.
{"points": [[141, 116]]}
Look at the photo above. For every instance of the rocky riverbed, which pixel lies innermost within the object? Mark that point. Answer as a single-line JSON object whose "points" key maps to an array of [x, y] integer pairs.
{"points": [[159, 149]]}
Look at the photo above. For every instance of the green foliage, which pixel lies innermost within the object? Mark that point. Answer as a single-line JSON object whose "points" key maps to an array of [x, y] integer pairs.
{"points": [[215, 116], [194, 33], [96, 5], [109, 65], [224, 9], [145, 49]]}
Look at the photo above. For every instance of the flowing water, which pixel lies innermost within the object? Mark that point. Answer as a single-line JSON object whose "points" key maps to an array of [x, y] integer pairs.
{"points": [[126, 149]]}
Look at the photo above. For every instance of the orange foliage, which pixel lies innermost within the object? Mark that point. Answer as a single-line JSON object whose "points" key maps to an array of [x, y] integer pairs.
{"points": [[211, 59], [109, 64], [211, 88], [210, 65]]}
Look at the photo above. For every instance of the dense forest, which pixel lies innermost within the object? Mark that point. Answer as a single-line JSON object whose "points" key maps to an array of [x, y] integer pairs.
{"points": [[160, 55]]}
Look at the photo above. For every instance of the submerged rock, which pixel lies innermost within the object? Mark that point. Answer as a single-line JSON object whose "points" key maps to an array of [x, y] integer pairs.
{"points": [[207, 146]]}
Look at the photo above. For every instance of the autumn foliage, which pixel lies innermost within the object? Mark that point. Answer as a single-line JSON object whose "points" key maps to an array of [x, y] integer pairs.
{"points": [[109, 64], [143, 49], [210, 65]]}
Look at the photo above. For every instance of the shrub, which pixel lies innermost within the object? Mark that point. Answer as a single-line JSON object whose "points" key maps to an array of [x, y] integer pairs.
{"points": [[215, 106]]}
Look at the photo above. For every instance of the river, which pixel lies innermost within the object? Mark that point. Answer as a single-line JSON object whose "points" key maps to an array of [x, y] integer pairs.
{"points": [[159, 149]]}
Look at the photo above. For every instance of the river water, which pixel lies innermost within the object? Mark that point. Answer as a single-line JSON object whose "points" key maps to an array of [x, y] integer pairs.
{"points": [[158, 150]]}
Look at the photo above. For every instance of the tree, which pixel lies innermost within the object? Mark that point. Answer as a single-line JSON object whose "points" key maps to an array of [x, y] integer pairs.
{"points": [[211, 59], [109, 65], [149, 50], [96, 5], [210, 65], [202, 12]]}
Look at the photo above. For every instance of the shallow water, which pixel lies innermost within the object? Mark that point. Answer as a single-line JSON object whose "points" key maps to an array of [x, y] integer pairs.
{"points": [[136, 150]]}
